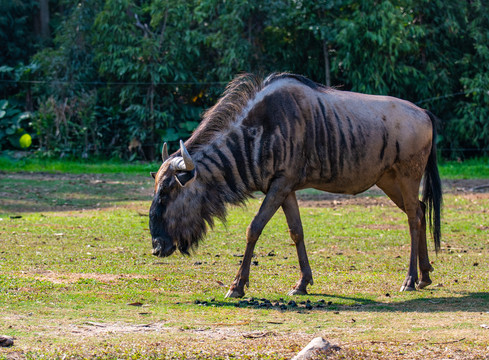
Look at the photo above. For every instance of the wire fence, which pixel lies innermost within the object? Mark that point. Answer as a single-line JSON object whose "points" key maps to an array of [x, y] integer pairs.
{"points": [[202, 83], [220, 85]]}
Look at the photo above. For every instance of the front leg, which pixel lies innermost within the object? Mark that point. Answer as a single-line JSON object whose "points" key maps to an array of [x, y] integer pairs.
{"points": [[273, 200], [292, 214]]}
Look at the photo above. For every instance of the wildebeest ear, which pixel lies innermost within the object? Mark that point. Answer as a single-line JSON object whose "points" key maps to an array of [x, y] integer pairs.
{"points": [[153, 174], [185, 177]]}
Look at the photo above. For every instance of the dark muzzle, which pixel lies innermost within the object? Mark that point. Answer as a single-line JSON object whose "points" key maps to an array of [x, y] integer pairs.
{"points": [[163, 247]]}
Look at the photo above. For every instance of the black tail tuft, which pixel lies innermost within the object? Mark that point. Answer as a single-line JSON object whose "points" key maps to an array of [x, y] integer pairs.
{"points": [[432, 192]]}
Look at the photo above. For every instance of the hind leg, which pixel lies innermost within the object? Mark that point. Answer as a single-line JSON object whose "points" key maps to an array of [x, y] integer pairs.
{"points": [[424, 261], [404, 193]]}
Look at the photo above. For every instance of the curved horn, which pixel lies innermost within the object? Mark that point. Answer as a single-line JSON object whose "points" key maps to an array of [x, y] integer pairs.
{"points": [[164, 152], [189, 164]]}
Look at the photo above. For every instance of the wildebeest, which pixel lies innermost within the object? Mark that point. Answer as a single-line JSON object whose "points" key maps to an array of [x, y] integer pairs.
{"points": [[287, 133]]}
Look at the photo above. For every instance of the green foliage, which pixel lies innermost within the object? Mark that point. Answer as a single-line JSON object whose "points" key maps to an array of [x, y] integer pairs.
{"points": [[471, 126], [16, 32], [375, 52], [66, 120], [13, 125], [69, 127], [121, 76]]}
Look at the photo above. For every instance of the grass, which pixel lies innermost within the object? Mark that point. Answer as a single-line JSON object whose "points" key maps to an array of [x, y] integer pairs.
{"points": [[74, 166], [77, 279], [469, 169]]}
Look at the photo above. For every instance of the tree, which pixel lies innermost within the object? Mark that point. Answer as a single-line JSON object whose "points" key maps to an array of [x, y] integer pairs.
{"points": [[470, 128], [151, 52], [66, 121]]}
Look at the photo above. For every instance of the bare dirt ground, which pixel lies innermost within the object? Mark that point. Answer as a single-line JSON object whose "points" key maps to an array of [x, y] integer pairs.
{"points": [[374, 196], [114, 188]]}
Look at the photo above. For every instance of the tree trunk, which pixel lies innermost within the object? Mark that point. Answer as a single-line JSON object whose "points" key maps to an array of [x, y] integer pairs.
{"points": [[44, 18], [327, 73]]}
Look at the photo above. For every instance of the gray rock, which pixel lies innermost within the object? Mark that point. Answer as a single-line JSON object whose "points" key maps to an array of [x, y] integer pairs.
{"points": [[316, 347]]}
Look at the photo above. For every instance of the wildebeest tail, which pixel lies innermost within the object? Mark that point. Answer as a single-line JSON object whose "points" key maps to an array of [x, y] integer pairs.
{"points": [[432, 191]]}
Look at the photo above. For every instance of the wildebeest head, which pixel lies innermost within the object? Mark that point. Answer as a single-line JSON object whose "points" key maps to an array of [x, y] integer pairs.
{"points": [[175, 217]]}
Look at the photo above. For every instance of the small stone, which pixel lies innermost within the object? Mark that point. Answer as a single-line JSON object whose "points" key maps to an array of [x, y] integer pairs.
{"points": [[6, 341]]}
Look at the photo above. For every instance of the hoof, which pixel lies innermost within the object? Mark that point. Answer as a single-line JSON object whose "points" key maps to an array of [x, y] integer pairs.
{"points": [[423, 284], [297, 292], [407, 288], [234, 294]]}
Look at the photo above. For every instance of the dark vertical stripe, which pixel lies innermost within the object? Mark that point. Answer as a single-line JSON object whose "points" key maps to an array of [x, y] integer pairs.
{"points": [[343, 147], [206, 166], [248, 143], [291, 150], [354, 152], [234, 146], [321, 138], [385, 136], [226, 169], [332, 146], [264, 159]]}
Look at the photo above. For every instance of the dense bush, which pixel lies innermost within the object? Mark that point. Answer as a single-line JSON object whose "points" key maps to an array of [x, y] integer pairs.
{"points": [[118, 76]]}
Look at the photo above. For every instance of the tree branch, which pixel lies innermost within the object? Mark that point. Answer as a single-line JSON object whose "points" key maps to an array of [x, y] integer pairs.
{"points": [[145, 28]]}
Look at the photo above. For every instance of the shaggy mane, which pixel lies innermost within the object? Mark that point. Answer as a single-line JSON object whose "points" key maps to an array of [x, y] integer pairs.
{"points": [[236, 96]]}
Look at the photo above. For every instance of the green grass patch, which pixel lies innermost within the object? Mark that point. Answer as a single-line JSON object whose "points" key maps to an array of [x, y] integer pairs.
{"points": [[468, 169], [75, 166]]}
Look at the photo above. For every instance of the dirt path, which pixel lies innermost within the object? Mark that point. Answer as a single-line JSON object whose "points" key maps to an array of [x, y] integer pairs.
{"points": [[27, 192]]}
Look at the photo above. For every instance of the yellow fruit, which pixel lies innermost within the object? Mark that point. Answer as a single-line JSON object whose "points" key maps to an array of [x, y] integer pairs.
{"points": [[25, 141]]}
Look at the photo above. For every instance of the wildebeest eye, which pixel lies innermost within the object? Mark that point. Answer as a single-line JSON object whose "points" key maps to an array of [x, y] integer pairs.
{"points": [[183, 177]]}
